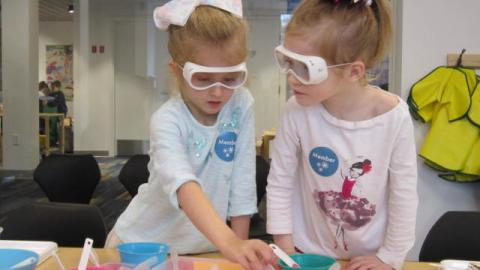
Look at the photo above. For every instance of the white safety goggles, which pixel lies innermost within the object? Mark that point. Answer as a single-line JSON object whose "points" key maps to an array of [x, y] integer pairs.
{"points": [[307, 69], [203, 77]]}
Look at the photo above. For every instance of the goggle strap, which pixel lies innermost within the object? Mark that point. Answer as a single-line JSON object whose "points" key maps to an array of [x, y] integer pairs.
{"points": [[338, 65]]}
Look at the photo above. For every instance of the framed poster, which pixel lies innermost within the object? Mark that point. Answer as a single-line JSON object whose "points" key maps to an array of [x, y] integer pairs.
{"points": [[60, 67]]}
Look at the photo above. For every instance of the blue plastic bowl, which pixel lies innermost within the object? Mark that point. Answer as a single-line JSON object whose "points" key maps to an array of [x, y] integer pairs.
{"points": [[10, 257], [309, 262], [135, 253]]}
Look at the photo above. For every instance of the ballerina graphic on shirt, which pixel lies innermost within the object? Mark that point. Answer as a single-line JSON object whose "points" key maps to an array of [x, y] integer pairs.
{"points": [[345, 210]]}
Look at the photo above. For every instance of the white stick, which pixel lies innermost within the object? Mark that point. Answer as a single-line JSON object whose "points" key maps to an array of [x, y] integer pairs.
{"points": [[446, 266], [284, 256], [87, 248], [174, 255], [59, 262], [94, 258], [25, 262]]}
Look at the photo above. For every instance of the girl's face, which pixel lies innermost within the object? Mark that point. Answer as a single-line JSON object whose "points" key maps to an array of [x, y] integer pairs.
{"points": [[206, 104], [307, 95]]}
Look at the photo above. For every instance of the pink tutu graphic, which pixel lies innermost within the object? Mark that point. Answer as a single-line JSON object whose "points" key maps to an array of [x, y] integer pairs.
{"points": [[345, 210]]}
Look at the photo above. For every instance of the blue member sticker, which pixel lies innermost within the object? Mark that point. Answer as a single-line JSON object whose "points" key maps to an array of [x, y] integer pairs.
{"points": [[225, 145], [323, 161]]}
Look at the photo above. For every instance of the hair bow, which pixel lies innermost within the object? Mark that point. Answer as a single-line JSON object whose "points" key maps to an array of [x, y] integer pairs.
{"points": [[367, 166], [177, 12]]}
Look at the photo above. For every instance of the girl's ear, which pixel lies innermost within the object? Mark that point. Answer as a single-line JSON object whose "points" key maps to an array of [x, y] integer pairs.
{"points": [[356, 71], [172, 66], [174, 69]]}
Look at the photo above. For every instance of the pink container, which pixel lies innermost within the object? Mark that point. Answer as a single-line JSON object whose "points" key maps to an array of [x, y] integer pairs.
{"points": [[184, 263], [93, 268], [108, 266]]}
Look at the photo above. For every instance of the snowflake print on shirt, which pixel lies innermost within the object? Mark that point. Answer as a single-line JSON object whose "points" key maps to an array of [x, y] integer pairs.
{"points": [[323, 161], [347, 211], [225, 143]]}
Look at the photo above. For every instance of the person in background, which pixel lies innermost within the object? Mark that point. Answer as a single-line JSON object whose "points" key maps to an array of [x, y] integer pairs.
{"points": [[343, 177], [43, 89], [43, 92], [202, 143], [59, 98], [57, 104]]}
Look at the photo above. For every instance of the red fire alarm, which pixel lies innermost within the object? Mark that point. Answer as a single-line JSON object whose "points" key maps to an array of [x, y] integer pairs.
{"points": [[94, 48], [101, 49]]}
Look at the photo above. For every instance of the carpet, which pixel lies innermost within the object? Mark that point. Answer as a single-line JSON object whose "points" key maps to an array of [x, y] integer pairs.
{"points": [[17, 189]]}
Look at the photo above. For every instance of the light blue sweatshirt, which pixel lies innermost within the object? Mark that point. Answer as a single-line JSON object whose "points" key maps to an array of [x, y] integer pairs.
{"points": [[221, 158]]}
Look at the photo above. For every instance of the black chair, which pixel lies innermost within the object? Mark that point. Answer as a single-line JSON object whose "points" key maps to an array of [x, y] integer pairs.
{"points": [[456, 235], [257, 223], [263, 167], [134, 173], [68, 178], [66, 224]]}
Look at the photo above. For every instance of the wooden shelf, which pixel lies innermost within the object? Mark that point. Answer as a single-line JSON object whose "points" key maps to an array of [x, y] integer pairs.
{"points": [[468, 60]]}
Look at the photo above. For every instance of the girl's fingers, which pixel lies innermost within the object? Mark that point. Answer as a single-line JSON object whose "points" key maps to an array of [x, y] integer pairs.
{"points": [[254, 260], [244, 262], [266, 253]]}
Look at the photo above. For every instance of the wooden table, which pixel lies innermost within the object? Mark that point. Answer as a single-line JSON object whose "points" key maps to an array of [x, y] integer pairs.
{"points": [[267, 137], [61, 137], [46, 117], [71, 256]]}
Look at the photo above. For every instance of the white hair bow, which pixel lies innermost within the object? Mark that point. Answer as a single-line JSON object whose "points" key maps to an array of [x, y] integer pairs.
{"points": [[177, 12]]}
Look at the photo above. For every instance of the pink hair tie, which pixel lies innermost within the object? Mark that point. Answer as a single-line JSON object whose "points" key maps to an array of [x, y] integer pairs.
{"points": [[354, 2]]}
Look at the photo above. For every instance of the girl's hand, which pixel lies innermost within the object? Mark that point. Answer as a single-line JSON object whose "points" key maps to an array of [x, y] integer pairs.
{"points": [[367, 263], [251, 254]]}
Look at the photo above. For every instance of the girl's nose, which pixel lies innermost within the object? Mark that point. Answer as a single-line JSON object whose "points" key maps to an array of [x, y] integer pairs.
{"points": [[293, 81], [215, 91]]}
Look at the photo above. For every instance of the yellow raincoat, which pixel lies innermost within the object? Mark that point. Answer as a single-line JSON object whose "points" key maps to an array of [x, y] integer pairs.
{"points": [[449, 98]]}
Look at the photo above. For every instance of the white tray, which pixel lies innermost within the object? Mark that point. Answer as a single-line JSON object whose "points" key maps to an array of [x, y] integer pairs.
{"points": [[456, 264], [44, 249]]}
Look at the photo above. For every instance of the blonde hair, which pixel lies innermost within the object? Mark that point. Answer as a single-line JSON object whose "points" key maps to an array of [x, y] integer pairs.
{"points": [[212, 28], [343, 31]]}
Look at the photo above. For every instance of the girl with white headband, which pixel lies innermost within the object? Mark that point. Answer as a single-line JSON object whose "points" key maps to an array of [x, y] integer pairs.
{"points": [[202, 142], [343, 176]]}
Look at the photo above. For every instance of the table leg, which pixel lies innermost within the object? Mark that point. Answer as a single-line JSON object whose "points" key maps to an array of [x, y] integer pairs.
{"points": [[47, 135], [62, 135]]}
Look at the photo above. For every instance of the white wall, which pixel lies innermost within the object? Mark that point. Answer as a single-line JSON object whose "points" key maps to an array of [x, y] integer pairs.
{"points": [[94, 76], [431, 30], [20, 74], [53, 33], [98, 120], [267, 84], [137, 94]]}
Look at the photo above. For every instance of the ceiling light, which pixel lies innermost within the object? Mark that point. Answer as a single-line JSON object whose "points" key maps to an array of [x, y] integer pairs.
{"points": [[70, 9]]}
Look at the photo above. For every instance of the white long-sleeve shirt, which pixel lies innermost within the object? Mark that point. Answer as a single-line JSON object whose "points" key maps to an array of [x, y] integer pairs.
{"points": [[342, 188], [221, 158]]}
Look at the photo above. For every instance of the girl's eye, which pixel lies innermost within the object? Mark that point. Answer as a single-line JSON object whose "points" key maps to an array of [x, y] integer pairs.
{"points": [[288, 62], [229, 80]]}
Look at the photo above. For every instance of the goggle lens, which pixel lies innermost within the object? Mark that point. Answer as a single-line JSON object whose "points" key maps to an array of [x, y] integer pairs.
{"points": [[204, 77], [289, 64], [205, 80]]}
